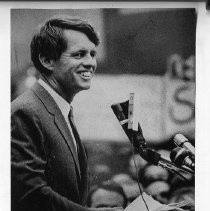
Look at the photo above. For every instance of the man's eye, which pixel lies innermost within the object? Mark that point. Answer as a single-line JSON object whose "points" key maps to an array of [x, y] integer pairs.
{"points": [[78, 55], [93, 54]]}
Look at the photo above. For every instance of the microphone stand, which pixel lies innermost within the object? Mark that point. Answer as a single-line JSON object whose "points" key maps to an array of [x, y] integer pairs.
{"points": [[171, 166], [139, 143], [152, 156]]}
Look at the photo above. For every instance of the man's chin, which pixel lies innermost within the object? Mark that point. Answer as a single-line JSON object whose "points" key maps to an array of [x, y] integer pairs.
{"points": [[84, 87]]}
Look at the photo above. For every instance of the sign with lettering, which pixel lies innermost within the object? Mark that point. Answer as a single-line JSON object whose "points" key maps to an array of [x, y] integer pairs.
{"points": [[180, 95]]}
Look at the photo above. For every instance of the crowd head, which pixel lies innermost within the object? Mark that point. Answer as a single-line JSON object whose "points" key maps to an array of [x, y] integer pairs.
{"points": [[107, 194]]}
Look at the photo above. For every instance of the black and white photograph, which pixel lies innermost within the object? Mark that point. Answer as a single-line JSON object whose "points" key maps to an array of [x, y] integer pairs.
{"points": [[103, 108]]}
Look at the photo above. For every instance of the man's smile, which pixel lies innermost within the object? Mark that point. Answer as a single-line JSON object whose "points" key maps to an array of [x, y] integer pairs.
{"points": [[86, 74]]}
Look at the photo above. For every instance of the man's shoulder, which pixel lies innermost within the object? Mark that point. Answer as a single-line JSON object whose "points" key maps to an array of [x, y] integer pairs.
{"points": [[35, 100], [26, 100]]}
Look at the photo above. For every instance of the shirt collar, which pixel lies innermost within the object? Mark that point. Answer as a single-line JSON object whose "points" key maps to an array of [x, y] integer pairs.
{"points": [[62, 104]]}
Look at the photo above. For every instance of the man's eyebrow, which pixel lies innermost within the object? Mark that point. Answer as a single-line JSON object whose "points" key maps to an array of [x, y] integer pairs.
{"points": [[84, 49], [79, 49]]}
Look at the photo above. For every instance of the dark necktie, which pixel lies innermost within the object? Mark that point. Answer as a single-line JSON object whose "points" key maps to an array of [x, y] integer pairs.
{"points": [[77, 138], [81, 156], [73, 127], [74, 130]]}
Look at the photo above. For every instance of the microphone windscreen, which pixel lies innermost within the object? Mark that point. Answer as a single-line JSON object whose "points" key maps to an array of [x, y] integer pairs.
{"points": [[119, 110], [179, 139], [178, 155]]}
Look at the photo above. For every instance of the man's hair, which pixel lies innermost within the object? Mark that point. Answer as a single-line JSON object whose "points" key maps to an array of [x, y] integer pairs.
{"points": [[49, 42], [109, 186]]}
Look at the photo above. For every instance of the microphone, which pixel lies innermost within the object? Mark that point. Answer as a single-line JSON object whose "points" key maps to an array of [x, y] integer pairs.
{"points": [[121, 111], [180, 157], [182, 141]]}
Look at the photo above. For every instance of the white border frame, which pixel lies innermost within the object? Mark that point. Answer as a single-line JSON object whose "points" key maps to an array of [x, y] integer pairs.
{"points": [[202, 87]]}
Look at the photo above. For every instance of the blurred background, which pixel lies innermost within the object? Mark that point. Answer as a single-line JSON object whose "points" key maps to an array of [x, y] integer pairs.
{"points": [[150, 52]]}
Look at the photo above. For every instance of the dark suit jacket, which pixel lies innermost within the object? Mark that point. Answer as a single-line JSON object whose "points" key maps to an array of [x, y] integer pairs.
{"points": [[45, 171]]}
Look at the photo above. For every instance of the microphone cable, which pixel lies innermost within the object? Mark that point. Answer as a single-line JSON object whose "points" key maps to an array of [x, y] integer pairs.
{"points": [[178, 173], [138, 182]]}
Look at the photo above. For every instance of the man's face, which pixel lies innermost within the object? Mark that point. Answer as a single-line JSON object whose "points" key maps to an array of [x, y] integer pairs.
{"points": [[75, 68]]}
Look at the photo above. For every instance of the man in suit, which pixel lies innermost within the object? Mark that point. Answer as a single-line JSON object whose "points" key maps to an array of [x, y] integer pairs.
{"points": [[48, 160]]}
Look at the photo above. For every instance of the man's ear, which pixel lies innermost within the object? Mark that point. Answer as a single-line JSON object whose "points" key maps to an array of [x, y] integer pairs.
{"points": [[47, 63]]}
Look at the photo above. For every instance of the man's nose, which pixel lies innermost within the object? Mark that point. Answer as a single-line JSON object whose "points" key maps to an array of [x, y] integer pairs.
{"points": [[90, 62]]}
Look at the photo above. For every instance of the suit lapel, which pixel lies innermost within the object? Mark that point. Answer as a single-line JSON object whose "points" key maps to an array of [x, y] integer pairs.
{"points": [[59, 120], [64, 130]]}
